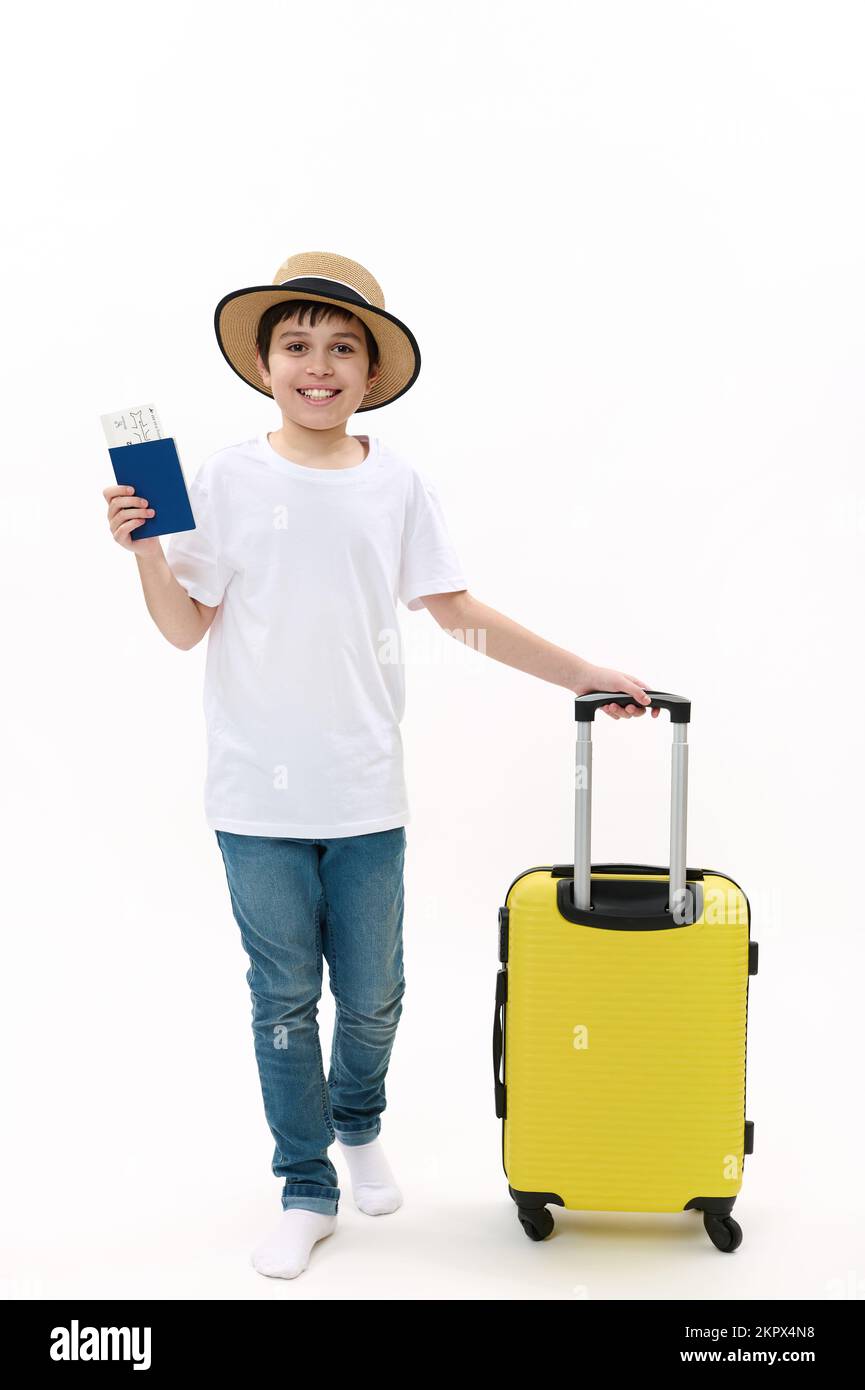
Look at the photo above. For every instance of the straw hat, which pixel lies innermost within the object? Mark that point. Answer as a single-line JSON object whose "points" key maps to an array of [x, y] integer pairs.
{"points": [[324, 278]]}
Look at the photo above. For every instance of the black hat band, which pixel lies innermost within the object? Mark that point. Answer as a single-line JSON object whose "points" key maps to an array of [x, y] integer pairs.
{"points": [[318, 284]]}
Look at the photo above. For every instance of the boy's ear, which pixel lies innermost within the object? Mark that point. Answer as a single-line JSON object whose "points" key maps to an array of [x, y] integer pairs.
{"points": [[259, 362]]}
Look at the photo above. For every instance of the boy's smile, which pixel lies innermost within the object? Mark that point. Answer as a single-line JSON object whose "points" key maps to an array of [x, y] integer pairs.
{"points": [[318, 395]]}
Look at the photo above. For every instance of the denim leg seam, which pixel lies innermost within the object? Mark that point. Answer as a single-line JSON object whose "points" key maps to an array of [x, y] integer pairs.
{"points": [[325, 1099], [334, 985]]}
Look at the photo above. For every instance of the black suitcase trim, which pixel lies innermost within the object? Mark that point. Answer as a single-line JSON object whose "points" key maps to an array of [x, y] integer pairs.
{"points": [[567, 871], [716, 1206], [532, 1200], [628, 904]]}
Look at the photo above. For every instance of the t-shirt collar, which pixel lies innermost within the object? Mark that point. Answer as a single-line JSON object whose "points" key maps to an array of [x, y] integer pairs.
{"points": [[327, 476]]}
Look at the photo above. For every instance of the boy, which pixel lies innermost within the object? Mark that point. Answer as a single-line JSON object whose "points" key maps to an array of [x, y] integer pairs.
{"points": [[305, 538]]}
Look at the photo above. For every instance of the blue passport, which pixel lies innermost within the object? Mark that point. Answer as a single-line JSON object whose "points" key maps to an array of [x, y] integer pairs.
{"points": [[153, 469]]}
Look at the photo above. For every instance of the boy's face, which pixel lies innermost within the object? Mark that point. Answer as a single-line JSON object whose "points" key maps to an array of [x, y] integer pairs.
{"points": [[331, 356]]}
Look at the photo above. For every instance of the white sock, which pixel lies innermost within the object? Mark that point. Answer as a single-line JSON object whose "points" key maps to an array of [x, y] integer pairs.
{"points": [[373, 1184], [286, 1252]]}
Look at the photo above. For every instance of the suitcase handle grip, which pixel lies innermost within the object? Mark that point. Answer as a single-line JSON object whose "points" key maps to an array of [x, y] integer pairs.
{"points": [[678, 705]]}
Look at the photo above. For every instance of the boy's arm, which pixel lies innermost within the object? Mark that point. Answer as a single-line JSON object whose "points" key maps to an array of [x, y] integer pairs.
{"points": [[468, 620], [180, 618]]}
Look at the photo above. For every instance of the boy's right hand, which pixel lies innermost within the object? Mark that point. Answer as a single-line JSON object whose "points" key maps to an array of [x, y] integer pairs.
{"points": [[126, 513]]}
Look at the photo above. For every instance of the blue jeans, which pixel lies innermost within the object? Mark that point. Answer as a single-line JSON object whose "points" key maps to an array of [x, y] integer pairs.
{"points": [[294, 901]]}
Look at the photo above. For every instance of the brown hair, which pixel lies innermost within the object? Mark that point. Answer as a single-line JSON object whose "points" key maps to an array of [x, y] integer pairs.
{"points": [[316, 310]]}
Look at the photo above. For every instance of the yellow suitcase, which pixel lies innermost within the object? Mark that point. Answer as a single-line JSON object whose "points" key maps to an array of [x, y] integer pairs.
{"points": [[620, 1024]]}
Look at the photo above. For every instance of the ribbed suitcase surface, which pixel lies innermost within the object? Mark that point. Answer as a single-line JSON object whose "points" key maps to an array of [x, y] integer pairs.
{"points": [[624, 1052]]}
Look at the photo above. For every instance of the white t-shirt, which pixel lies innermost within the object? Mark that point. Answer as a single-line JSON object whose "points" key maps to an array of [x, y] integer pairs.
{"points": [[304, 688]]}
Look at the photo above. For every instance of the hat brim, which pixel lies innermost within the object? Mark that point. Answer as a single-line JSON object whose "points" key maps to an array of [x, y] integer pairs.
{"points": [[236, 322]]}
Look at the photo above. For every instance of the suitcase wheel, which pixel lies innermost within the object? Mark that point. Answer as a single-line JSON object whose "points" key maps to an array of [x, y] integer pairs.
{"points": [[723, 1231], [537, 1222]]}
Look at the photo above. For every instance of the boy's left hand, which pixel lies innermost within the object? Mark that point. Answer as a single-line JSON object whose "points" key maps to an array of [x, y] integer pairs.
{"points": [[605, 678]]}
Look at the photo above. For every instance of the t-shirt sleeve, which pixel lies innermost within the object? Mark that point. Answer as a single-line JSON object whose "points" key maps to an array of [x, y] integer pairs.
{"points": [[195, 558], [430, 564]]}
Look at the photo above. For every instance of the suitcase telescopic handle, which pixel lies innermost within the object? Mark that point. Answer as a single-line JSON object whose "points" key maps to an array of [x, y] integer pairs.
{"points": [[680, 717]]}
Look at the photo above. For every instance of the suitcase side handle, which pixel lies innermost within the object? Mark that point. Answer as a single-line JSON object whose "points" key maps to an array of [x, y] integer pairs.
{"points": [[678, 705], [501, 1000]]}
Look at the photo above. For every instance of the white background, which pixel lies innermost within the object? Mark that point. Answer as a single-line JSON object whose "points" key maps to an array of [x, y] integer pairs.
{"points": [[629, 241]]}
